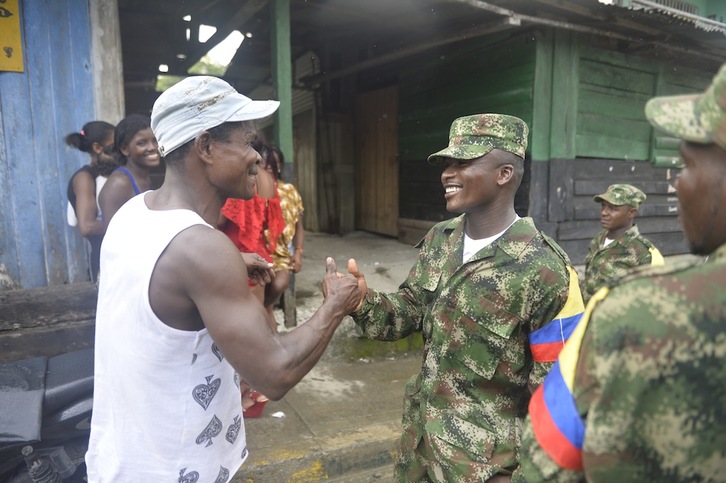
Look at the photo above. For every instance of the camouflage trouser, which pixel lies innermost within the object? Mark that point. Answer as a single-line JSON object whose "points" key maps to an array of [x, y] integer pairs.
{"points": [[429, 453], [420, 467]]}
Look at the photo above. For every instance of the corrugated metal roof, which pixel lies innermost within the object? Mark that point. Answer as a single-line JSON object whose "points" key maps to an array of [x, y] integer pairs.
{"points": [[679, 10]]}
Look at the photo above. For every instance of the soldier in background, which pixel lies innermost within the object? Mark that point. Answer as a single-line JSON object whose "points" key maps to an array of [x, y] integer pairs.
{"points": [[639, 392], [495, 300], [620, 247]]}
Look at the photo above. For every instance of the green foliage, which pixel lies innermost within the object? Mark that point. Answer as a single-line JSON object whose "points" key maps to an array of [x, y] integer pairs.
{"points": [[204, 67], [163, 82], [208, 67]]}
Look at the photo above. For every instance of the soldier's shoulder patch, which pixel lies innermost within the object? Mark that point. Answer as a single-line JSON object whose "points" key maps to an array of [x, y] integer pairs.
{"points": [[558, 249], [642, 241]]}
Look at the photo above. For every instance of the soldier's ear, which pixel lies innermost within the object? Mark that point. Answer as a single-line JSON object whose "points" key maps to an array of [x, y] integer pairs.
{"points": [[632, 212]]}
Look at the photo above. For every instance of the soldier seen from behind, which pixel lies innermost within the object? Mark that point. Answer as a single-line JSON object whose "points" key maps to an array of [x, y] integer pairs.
{"points": [[620, 247], [494, 299], [639, 391]]}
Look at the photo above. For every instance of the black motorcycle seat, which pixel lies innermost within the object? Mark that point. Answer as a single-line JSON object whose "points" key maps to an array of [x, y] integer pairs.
{"points": [[21, 397], [69, 378]]}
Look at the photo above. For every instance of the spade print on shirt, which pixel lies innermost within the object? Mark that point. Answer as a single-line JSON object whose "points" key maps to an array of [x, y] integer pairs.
{"points": [[210, 432], [217, 352], [194, 358], [204, 393], [233, 430], [223, 475], [237, 380], [191, 477]]}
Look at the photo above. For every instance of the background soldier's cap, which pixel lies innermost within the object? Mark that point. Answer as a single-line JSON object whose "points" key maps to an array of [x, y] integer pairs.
{"points": [[699, 118], [622, 194], [474, 136]]}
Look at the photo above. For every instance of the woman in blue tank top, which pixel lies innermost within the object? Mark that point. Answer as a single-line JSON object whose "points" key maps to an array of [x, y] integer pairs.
{"points": [[137, 153]]}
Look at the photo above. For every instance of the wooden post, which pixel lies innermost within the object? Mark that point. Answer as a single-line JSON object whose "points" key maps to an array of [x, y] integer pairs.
{"points": [[289, 304], [282, 74]]}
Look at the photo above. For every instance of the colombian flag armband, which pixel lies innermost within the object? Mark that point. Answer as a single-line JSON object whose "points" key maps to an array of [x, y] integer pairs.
{"points": [[547, 342]]}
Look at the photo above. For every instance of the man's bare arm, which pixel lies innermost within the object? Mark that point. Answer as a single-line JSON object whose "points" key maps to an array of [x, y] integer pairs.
{"points": [[202, 275]]}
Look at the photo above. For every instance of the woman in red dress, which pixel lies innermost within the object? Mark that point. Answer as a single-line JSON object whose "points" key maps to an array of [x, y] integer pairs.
{"points": [[255, 225]]}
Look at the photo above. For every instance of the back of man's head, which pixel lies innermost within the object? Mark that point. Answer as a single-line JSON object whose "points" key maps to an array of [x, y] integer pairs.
{"points": [[698, 118]]}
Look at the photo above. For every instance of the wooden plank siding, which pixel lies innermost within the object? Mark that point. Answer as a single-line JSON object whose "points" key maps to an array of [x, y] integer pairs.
{"points": [[377, 167], [610, 120], [51, 98], [495, 74], [304, 156]]}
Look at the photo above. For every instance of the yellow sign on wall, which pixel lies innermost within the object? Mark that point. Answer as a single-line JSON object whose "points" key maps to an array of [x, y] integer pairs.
{"points": [[11, 43]]}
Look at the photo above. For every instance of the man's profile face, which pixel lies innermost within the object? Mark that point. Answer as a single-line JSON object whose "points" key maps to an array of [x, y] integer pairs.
{"points": [[616, 217], [701, 197], [237, 163], [471, 185]]}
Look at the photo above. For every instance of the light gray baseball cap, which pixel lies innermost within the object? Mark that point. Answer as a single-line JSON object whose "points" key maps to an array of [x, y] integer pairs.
{"points": [[199, 103]]}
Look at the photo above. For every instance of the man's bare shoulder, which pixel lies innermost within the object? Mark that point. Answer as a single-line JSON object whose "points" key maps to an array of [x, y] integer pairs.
{"points": [[201, 245], [199, 264]]}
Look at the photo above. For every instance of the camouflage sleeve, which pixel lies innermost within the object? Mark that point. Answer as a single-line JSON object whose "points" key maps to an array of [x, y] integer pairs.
{"points": [[394, 316], [389, 317]]}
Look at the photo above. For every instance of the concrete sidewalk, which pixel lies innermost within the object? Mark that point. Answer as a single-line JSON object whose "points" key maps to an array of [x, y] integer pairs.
{"points": [[342, 421]]}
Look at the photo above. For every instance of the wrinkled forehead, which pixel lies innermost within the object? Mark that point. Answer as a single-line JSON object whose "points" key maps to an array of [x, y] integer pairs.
{"points": [[243, 129]]}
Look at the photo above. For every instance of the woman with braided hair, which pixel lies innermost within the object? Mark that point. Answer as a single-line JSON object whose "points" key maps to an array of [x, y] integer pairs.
{"points": [[96, 139]]}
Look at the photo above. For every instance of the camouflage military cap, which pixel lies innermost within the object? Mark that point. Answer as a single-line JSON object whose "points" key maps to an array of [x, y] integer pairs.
{"points": [[474, 136], [622, 194], [699, 118]]}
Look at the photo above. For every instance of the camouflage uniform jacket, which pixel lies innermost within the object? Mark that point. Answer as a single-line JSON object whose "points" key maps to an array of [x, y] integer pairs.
{"points": [[463, 412], [615, 260], [649, 386]]}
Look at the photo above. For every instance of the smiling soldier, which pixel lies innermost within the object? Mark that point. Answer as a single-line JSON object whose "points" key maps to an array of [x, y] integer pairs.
{"points": [[620, 247], [494, 299]]}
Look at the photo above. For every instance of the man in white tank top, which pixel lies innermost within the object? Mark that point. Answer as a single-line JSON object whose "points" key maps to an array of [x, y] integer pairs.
{"points": [[178, 331]]}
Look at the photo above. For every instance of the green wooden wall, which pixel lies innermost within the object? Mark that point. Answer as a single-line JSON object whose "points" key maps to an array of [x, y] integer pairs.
{"points": [[590, 100], [495, 74]]}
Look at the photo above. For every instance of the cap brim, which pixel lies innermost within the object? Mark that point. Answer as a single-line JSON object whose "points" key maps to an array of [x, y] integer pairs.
{"points": [[459, 151], [254, 110], [676, 115]]}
